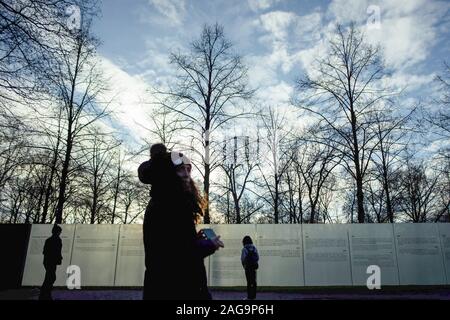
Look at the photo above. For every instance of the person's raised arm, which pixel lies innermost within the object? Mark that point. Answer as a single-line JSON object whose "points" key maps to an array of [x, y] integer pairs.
{"points": [[207, 247], [144, 172]]}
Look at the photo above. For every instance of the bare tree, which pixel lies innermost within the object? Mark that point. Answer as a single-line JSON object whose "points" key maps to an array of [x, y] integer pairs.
{"points": [[295, 194], [46, 139], [25, 30], [16, 197], [98, 178], [118, 162], [392, 137], [29, 34], [326, 198], [444, 190], [441, 119], [237, 166], [418, 192], [275, 159], [211, 80], [315, 162], [131, 193], [78, 84], [23, 193], [165, 127], [11, 148], [342, 93]]}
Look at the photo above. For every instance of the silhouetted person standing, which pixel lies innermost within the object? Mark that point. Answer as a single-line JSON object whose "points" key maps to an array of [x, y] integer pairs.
{"points": [[52, 258], [174, 250], [249, 259]]}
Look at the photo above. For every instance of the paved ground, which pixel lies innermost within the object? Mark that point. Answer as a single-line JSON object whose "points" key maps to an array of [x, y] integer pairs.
{"points": [[310, 294]]}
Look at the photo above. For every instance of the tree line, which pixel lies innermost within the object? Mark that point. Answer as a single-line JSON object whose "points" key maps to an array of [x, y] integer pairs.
{"points": [[347, 149]]}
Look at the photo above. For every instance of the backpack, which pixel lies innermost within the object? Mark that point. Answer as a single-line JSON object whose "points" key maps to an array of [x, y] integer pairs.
{"points": [[251, 260]]}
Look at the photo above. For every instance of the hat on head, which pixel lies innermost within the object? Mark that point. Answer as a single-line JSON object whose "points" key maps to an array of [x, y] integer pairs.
{"points": [[157, 149], [179, 158], [153, 170]]}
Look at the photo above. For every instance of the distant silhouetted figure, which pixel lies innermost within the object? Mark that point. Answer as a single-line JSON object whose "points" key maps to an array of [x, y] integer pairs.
{"points": [[249, 259], [52, 258]]}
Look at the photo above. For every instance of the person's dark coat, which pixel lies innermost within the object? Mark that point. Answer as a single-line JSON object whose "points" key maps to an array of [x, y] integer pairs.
{"points": [[250, 270], [245, 251], [173, 251], [52, 258], [52, 251]]}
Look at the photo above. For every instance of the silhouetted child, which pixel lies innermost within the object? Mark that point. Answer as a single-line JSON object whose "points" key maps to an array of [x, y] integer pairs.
{"points": [[52, 258], [249, 259]]}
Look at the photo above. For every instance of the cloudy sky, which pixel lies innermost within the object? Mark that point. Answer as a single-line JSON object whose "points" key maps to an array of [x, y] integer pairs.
{"points": [[277, 38]]}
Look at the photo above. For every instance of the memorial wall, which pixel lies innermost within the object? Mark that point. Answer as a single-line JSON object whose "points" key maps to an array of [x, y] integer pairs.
{"points": [[130, 266], [290, 255], [419, 254], [95, 252], [444, 232], [225, 267], [280, 251], [327, 255], [34, 272], [373, 244]]}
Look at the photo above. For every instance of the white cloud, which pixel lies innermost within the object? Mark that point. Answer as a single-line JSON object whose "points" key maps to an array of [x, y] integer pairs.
{"points": [[130, 100], [408, 81], [308, 56], [280, 57], [309, 27], [408, 28], [344, 11], [277, 23], [259, 73], [434, 147], [279, 93], [405, 7], [276, 43], [277, 27], [405, 40], [293, 39], [257, 5], [157, 55], [173, 10]]}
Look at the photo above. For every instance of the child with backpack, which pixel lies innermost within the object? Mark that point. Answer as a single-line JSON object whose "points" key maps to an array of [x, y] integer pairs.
{"points": [[249, 259]]}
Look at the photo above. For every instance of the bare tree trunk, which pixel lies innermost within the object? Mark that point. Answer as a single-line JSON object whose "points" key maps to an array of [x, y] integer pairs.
{"points": [[276, 213], [237, 209], [38, 207], [69, 143], [64, 175], [228, 216], [94, 204], [357, 163], [387, 190], [53, 169], [127, 208], [49, 189], [206, 217], [116, 194], [360, 196]]}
